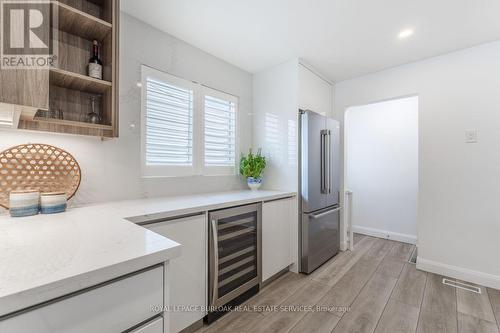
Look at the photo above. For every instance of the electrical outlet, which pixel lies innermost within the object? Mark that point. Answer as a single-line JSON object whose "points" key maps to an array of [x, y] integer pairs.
{"points": [[470, 136]]}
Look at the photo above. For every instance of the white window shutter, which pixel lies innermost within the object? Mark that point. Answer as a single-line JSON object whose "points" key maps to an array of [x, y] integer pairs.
{"points": [[167, 124], [219, 129]]}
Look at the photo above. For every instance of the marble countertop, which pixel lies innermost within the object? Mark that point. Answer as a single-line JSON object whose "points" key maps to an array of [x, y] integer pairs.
{"points": [[46, 256]]}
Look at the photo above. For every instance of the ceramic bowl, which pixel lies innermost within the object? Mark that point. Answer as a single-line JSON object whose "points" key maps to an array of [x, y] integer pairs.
{"points": [[24, 203], [53, 202]]}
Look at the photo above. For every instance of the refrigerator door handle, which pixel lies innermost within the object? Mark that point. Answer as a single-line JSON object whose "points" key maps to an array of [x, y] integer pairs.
{"points": [[323, 162], [318, 216], [329, 162]]}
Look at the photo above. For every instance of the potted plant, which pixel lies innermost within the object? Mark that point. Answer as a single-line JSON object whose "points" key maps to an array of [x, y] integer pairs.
{"points": [[251, 167]]}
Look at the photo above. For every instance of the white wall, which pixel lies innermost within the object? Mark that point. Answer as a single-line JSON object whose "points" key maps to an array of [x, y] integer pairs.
{"points": [[459, 184], [111, 168], [275, 114], [382, 168]]}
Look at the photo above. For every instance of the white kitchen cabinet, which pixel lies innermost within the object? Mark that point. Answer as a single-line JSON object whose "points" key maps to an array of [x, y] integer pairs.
{"points": [[279, 221], [154, 326], [113, 307], [187, 274], [315, 93]]}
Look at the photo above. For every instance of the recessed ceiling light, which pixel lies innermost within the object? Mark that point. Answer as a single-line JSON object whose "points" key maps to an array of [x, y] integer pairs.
{"points": [[403, 34]]}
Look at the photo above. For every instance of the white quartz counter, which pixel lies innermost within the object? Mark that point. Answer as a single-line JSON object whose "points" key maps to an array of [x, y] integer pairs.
{"points": [[46, 256]]}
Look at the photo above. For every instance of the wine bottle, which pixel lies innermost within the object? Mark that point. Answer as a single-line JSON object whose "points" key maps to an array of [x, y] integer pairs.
{"points": [[95, 64]]}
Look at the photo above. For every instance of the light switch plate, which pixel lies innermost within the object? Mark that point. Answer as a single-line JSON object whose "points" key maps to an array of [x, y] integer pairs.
{"points": [[470, 136]]}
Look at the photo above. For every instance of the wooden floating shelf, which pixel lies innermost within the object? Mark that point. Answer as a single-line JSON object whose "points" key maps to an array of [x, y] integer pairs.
{"points": [[67, 88], [73, 123], [76, 22], [62, 78]]}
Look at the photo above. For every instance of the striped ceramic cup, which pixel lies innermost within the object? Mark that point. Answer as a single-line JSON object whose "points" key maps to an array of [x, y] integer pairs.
{"points": [[24, 203], [53, 202]]}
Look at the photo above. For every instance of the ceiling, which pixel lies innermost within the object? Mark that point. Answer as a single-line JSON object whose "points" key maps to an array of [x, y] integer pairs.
{"points": [[340, 38]]}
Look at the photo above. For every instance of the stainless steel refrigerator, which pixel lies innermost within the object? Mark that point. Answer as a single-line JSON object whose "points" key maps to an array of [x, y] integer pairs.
{"points": [[319, 189]]}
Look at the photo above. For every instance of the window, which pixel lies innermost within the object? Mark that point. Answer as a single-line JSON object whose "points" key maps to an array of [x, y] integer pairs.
{"points": [[219, 130], [187, 129]]}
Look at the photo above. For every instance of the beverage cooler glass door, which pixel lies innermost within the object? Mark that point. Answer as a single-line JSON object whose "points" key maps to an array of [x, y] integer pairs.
{"points": [[234, 252]]}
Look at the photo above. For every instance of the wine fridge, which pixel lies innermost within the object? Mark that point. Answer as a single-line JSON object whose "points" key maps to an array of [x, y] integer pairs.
{"points": [[235, 263]]}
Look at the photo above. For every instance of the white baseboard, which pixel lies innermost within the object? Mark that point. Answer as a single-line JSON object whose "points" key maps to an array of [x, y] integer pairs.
{"points": [[480, 278], [385, 234], [294, 268]]}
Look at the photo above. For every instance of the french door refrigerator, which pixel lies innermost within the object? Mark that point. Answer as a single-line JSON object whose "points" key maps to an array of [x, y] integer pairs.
{"points": [[319, 189]]}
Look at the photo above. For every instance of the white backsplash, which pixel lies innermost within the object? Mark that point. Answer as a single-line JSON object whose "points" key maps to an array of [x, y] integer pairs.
{"points": [[111, 168]]}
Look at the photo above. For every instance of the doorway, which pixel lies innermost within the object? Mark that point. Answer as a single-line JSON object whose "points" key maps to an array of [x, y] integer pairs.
{"points": [[381, 145]]}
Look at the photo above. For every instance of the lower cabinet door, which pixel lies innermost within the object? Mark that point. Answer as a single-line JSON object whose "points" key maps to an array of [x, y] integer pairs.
{"points": [[113, 307], [278, 219], [187, 274], [154, 326]]}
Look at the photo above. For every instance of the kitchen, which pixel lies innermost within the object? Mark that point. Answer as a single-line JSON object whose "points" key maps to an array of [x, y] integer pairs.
{"points": [[139, 228]]}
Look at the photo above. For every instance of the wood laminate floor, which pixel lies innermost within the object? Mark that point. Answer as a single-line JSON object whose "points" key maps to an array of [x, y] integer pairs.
{"points": [[370, 289]]}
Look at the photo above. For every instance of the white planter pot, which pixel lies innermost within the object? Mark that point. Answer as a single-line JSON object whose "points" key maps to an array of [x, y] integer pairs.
{"points": [[254, 183]]}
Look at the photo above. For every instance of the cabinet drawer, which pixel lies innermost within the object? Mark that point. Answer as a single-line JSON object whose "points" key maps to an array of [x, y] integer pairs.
{"points": [[187, 275], [112, 307], [153, 326]]}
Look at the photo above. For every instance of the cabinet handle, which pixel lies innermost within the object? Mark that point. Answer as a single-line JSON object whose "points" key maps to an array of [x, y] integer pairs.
{"points": [[146, 220], [279, 199]]}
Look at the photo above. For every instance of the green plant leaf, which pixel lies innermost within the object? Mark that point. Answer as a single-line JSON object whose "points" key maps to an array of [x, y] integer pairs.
{"points": [[252, 165]]}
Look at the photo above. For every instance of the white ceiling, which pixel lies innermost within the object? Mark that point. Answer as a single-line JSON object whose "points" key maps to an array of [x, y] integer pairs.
{"points": [[340, 38]]}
